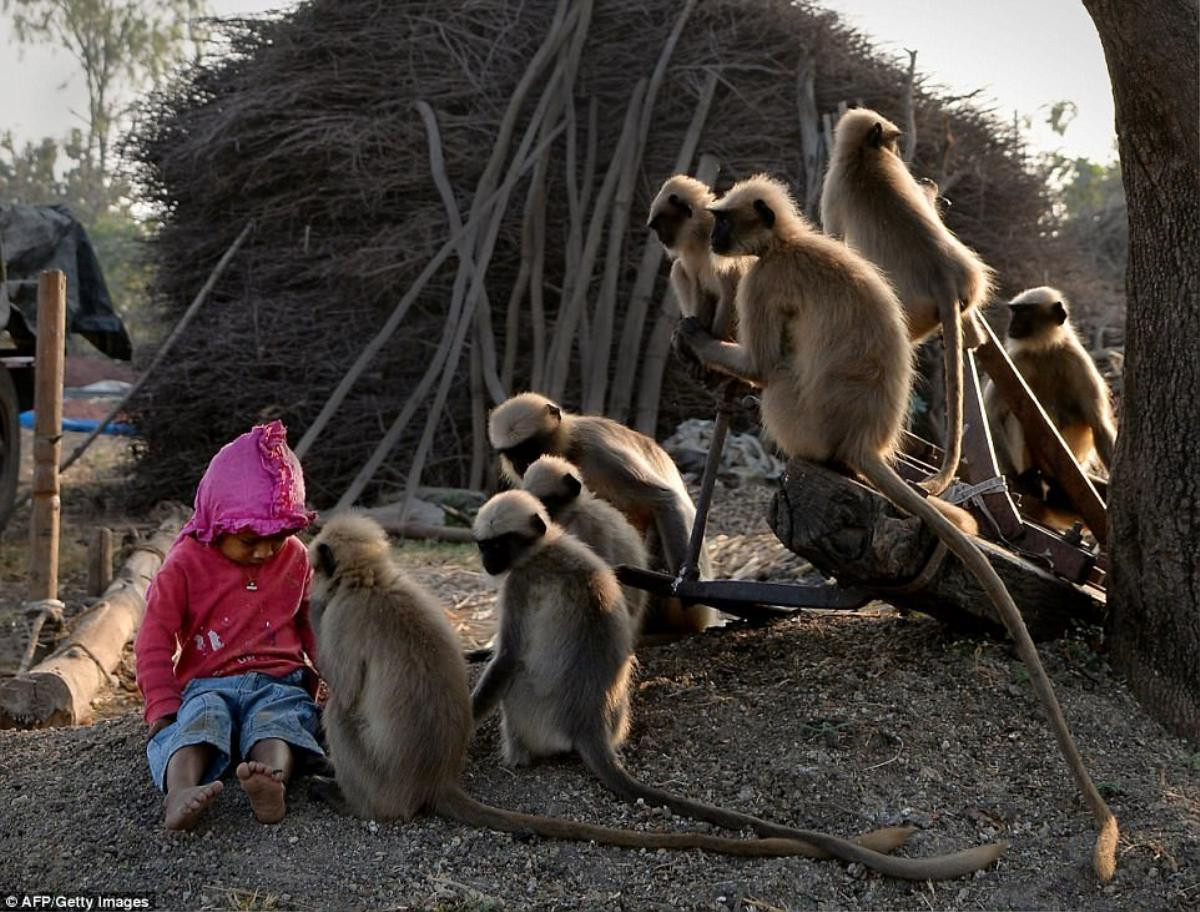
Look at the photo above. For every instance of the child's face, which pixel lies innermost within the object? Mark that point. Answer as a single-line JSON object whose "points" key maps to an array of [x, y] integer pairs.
{"points": [[247, 548]]}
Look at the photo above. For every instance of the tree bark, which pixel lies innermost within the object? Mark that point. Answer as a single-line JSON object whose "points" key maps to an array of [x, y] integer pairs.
{"points": [[1154, 505]]}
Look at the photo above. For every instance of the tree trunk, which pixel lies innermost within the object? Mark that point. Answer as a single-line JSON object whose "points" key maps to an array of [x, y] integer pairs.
{"points": [[1154, 506]]}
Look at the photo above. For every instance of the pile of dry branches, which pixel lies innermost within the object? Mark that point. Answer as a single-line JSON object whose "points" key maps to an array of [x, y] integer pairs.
{"points": [[361, 136]]}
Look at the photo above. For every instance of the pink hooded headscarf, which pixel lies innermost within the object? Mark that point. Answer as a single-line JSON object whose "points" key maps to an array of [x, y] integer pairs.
{"points": [[254, 482]]}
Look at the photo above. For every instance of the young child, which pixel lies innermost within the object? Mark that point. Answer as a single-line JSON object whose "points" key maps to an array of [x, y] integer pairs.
{"points": [[231, 600]]}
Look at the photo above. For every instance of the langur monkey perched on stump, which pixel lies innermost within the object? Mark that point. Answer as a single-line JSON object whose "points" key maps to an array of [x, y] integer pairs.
{"points": [[704, 285], [595, 522], [824, 335], [398, 718], [620, 465], [870, 199], [561, 674], [1046, 350]]}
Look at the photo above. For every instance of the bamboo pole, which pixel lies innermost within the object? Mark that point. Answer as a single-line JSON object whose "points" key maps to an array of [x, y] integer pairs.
{"points": [[910, 114], [47, 434], [371, 349], [659, 345], [419, 394], [571, 314], [810, 131], [604, 315], [643, 286]]}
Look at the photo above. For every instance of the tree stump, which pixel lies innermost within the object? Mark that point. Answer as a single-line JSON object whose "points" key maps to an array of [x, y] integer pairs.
{"points": [[854, 534]]}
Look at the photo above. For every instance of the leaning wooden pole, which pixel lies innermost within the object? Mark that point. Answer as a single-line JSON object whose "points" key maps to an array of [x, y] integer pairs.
{"points": [[47, 435], [59, 690]]}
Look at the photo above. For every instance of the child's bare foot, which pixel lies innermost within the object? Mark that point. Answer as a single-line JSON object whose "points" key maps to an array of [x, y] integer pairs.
{"points": [[183, 807], [264, 786]]}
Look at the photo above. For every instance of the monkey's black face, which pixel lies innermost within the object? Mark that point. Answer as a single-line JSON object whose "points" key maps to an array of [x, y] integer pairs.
{"points": [[521, 455], [669, 220], [1031, 320], [567, 493], [722, 232], [499, 553]]}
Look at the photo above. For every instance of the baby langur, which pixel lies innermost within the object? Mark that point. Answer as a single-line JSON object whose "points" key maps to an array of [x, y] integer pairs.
{"points": [[824, 335], [704, 285], [398, 718], [1045, 348], [619, 465], [870, 199], [562, 668], [596, 523]]}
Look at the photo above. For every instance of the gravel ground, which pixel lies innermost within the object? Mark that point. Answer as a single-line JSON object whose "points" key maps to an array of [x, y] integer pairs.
{"points": [[839, 722]]}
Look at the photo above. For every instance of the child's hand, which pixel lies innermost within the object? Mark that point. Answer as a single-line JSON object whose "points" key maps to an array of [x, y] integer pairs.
{"points": [[159, 724], [322, 696]]}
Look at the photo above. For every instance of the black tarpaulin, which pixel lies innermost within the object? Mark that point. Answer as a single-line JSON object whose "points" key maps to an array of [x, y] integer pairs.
{"points": [[35, 238]]}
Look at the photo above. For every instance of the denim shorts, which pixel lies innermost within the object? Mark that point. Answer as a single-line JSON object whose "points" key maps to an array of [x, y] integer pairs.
{"points": [[233, 714]]}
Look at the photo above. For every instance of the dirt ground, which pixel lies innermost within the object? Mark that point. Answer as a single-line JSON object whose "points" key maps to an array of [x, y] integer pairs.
{"points": [[837, 722]]}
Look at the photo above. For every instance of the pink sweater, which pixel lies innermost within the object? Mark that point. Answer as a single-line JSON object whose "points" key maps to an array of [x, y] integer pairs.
{"points": [[199, 604]]}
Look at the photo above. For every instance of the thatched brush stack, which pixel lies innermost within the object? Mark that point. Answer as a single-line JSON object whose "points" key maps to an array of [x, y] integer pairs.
{"points": [[310, 129]]}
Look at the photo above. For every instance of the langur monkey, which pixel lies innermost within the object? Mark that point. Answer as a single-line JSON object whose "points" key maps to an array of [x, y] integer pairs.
{"points": [[870, 199], [619, 465], [824, 335], [704, 285], [561, 673], [398, 719], [595, 522], [1045, 348]]}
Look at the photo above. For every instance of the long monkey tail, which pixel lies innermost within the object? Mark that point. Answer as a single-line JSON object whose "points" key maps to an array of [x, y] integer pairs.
{"points": [[867, 849], [952, 342], [880, 474]]}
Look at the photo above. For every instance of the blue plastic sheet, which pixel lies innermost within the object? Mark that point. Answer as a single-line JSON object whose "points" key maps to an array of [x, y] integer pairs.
{"points": [[85, 425]]}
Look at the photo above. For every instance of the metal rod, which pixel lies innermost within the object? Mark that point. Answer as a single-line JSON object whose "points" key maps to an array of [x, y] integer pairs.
{"points": [[712, 464]]}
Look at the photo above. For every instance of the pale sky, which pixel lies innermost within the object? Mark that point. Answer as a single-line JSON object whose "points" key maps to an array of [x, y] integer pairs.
{"points": [[1024, 54]]}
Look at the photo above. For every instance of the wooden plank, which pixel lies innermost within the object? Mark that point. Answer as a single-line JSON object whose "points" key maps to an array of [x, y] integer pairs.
{"points": [[1040, 433]]}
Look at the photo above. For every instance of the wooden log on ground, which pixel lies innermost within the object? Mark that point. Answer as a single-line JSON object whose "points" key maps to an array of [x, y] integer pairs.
{"points": [[851, 532], [59, 690]]}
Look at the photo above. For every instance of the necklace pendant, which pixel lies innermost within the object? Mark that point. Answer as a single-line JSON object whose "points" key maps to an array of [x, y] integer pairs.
{"points": [[251, 586]]}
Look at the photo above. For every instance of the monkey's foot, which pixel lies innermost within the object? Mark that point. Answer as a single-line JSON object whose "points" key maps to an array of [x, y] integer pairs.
{"points": [[183, 808], [265, 789]]}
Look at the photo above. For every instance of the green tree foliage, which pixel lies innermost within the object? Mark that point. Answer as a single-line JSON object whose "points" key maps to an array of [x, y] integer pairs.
{"points": [[122, 46], [1092, 201]]}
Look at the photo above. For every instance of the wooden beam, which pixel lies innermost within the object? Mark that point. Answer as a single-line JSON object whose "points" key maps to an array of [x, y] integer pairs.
{"points": [[1040, 434]]}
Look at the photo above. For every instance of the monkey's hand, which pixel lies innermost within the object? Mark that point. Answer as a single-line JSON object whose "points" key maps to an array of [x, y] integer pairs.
{"points": [[690, 332]]}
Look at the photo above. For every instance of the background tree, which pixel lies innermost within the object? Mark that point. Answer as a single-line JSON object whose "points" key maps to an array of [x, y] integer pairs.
{"points": [[121, 46], [1154, 591]]}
